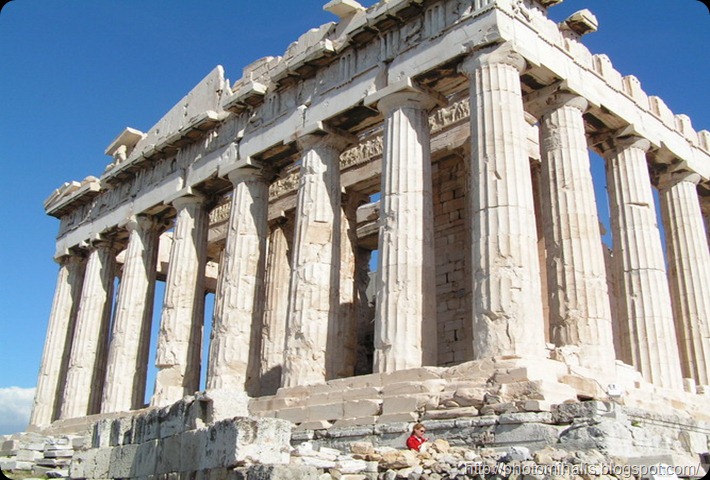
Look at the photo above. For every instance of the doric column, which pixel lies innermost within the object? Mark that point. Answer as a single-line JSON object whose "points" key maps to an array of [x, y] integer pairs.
{"points": [[239, 298], [507, 304], [705, 209], [314, 290], [344, 334], [689, 272], [87, 362], [645, 315], [580, 313], [180, 337], [273, 333], [405, 315], [57, 346], [130, 339]]}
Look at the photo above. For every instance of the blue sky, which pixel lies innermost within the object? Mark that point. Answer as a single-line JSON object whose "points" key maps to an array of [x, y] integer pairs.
{"points": [[75, 73]]}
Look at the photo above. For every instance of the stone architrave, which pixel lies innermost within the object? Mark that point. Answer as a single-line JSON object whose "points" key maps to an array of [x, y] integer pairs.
{"points": [[273, 333], [60, 331], [647, 335], [130, 339], [87, 362], [180, 337], [689, 272], [580, 313], [314, 289], [507, 304], [238, 301], [405, 315]]}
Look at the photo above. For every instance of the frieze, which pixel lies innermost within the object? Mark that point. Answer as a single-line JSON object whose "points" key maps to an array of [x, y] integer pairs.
{"points": [[284, 185], [220, 213], [454, 113]]}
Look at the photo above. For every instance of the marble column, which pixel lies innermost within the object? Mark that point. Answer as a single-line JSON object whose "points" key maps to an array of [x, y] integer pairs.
{"points": [[344, 332], [580, 313], [314, 290], [689, 272], [405, 314], [648, 340], [130, 339], [705, 209], [239, 298], [180, 336], [57, 346], [273, 333], [507, 303], [87, 362]]}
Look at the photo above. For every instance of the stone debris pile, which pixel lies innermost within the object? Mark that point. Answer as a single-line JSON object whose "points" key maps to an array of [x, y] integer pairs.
{"points": [[38, 455], [439, 460]]}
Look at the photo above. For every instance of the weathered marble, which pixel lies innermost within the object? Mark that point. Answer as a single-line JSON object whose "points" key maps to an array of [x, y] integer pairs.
{"points": [[645, 315], [580, 313], [405, 333], [87, 362], [127, 365], [507, 309], [237, 313], [314, 289], [273, 332], [688, 272], [180, 336], [57, 347]]}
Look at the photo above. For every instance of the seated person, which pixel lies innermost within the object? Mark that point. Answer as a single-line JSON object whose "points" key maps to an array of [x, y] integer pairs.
{"points": [[416, 439]]}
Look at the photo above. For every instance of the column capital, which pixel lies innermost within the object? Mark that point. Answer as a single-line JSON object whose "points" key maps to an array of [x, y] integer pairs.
{"points": [[322, 134], [501, 53], [139, 222], [404, 94], [187, 199], [617, 143], [667, 180], [256, 171], [544, 101]]}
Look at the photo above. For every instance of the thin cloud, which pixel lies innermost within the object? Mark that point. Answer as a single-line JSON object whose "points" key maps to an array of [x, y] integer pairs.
{"points": [[15, 407]]}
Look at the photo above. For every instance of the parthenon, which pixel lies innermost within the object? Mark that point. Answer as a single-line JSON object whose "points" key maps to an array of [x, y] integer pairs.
{"points": [[407, 187]]}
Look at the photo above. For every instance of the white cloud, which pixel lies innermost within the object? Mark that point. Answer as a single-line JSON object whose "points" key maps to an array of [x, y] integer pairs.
{"points": [[15, 407]]}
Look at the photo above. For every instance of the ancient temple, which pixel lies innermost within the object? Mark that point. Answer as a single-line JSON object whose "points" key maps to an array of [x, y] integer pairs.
{"points": [[452, 138]]}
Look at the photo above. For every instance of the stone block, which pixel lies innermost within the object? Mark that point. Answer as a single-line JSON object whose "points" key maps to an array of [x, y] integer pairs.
{"points": [[224, 404], [28, 455], [352, 422], [398, 418], [361, 408], [314, 425], [101, 433], [65, 453], [568, 412], [585, 387], [470, 396], [415, 387], [193, 445], [365, 393], [531, 435], [146, 459], [332, 411], [450, 413], [122, 460], [277, 472], [410, 403], [196, 414], [294, 414], [172, 419], [524, 417], [121, 431], [146, 426], [413, 375], [169, 455]]}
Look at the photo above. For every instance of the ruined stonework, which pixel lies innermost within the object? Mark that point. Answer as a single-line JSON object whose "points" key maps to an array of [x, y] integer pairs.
{"points": [[447, 139]]}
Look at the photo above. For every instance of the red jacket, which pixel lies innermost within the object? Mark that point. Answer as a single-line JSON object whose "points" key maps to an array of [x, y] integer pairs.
{"points": [[414, 442]]}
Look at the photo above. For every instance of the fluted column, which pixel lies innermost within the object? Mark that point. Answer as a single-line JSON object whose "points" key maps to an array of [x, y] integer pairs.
{"points": [[645, 315], [180, 336], [405, 314], [689, 272], [705, 209], [507, 304], [273, 333], [580, 312], [239, 298], [57, 346], [313, 294], [130, 339], [344, 334], [87, 361]]}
